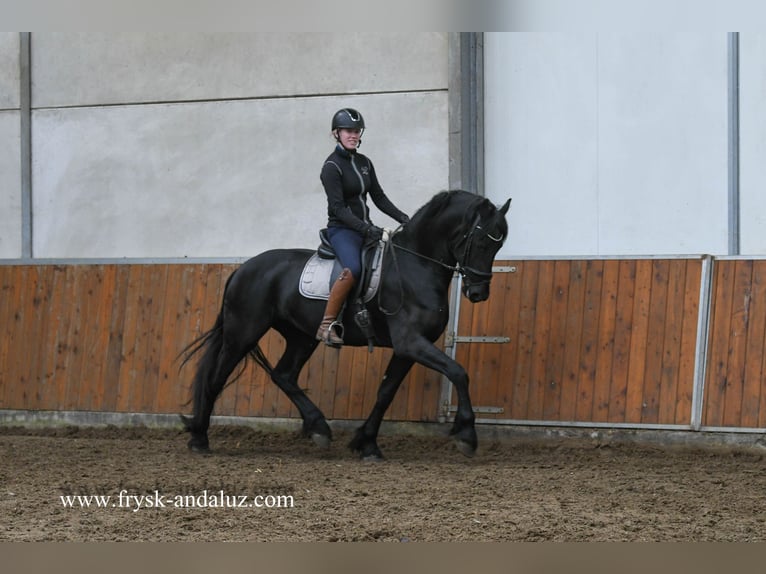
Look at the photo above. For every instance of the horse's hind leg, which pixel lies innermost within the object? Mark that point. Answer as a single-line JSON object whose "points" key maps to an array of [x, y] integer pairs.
{"points": [[365, 440], [208, 391], [285, 375]]}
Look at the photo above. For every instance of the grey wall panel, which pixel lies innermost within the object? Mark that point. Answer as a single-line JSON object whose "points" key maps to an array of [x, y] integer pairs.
{"points": [[10, 185], [9, 70], [610, 144], [75, 69], [541, 139], [662, 143], [753, 143], [216, 179]]}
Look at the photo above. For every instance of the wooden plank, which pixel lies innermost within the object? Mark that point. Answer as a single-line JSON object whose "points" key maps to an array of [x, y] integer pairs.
{"points": [[496, 326], [623, 326], [756, 334], [66, 285], [759, 396], [687, 359], [8, 285], [116, 322], [87, 302], [586, 379], [671, 350], [654, 344], [355, 378], [606, 339], [527, 316], [33, 331], [16, 333], [331, 387], [574, 338], [634, 399], [540, 337], [479, 363], [46, 399], [175, 325], [77, 380], [511, 303], [556, 349], [130, 358], [97, 334], [152, 302], [740, 316], [720, 328]]}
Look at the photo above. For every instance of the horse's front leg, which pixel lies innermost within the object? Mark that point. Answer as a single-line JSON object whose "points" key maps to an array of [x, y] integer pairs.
{"points": [[422, 351], [365, 440]]}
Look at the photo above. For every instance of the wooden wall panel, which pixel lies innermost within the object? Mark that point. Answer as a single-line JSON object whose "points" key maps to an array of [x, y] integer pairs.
{"points": [[605, 341], [608, 341], [108, 337], [734, 387]]}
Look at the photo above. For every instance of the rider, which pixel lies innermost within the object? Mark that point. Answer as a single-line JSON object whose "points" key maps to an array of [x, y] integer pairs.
{"points": [[347, 177]]}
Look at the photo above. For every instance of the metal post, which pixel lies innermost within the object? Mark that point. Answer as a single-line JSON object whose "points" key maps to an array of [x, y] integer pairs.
{"points": [[466, 111], [733, 143], [25, 142], [466, 151]]}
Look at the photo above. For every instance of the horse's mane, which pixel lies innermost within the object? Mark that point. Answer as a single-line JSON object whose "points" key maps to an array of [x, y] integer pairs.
{"points": [[441, 200]]}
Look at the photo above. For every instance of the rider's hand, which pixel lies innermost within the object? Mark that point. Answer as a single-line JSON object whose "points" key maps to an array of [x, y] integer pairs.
{"points": [[373, 233]]}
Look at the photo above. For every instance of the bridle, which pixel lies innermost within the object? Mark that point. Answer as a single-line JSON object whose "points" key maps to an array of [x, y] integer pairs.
{"points": [[470, 275]]}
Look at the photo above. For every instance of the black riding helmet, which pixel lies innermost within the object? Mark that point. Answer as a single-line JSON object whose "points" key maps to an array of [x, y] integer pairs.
{"points": [[347, 118]]}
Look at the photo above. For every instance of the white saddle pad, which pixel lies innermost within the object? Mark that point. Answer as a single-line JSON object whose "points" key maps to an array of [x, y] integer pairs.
{"points": [[317, 276]]}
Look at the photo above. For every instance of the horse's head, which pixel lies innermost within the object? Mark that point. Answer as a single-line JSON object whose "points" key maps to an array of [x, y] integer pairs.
{"points": [[480, 237]]}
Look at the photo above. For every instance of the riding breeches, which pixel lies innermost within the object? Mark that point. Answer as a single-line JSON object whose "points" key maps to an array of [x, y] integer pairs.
{"points": [[347, 244]]}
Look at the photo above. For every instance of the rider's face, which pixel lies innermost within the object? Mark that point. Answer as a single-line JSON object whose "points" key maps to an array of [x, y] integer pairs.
{"points": [[349, 138]]}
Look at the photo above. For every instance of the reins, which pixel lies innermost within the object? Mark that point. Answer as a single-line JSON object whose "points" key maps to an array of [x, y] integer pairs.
{"points": [[470, 275]]}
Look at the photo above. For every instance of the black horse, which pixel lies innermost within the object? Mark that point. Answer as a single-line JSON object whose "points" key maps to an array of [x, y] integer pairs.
{"points": [[455, 231]]}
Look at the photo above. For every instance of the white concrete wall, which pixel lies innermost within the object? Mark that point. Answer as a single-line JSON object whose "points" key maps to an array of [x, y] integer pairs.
{"points": [[752, 52], [210, 145], [610, 144], [9, 70], [10, 158], [216, 179], [107, 68]]}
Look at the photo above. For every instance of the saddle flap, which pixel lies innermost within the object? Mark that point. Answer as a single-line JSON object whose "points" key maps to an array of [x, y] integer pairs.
{"points": [[320, 272], [325, 249]]}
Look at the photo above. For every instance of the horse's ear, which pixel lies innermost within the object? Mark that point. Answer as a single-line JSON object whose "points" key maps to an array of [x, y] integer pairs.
{"points": [[505, 207]]}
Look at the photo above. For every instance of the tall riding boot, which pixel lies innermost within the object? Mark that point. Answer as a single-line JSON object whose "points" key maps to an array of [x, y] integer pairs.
{"points": [[338, 294]]}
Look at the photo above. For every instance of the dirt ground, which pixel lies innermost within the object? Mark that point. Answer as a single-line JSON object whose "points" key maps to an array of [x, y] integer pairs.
{"points": [[290, 490]]}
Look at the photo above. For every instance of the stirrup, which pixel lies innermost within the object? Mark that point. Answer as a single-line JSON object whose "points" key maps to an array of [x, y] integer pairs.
{"points": [[327, 335]]}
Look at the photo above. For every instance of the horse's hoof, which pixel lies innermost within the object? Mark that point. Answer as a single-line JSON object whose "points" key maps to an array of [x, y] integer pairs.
{"points": [[373, 458], [198, 448], [321, 440], [465, 448]]}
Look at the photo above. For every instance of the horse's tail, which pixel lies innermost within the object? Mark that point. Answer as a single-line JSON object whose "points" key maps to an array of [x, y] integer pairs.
{"points": [[210, 344]]}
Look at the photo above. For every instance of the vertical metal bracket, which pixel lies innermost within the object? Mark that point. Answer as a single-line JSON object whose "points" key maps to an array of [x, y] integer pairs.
{"points": [[703, 340]]}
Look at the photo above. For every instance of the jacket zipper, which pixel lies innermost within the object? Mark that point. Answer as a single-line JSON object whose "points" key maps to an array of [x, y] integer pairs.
{"points": [[361, 195]]}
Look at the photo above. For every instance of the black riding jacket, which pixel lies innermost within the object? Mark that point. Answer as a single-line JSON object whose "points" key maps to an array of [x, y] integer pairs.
{"points": [[348, 177]]}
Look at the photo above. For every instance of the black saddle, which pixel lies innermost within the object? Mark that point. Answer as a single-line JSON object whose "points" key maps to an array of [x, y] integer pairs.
{"points": [[325, 250], [369, 254]]}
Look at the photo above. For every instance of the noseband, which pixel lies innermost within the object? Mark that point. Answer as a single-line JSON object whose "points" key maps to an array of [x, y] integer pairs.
{"points": [[470, 275]]}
